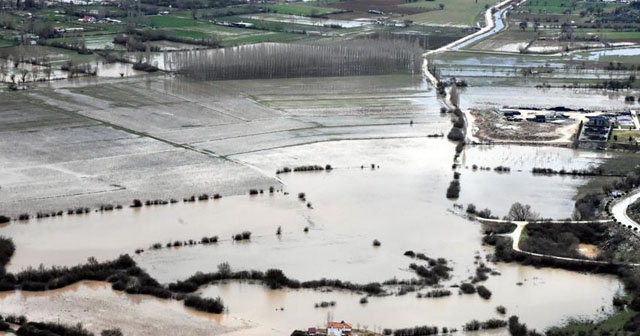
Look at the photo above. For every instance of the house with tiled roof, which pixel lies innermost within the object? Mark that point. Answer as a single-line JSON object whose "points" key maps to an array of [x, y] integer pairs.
{"points": [[338, 328]]}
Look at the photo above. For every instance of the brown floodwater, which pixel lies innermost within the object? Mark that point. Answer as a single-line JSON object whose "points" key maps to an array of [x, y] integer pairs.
{"points": [[98, 307], [546, 297], [401, 203]]}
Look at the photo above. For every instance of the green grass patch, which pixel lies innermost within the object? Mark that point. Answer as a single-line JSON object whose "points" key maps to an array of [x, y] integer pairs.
{"points": [[5, 43], [624, 135], [612, 324], [455, 12], [258, 38], [172, 21], [300, 9], [189, 33], [566, 6], [620, 162]]}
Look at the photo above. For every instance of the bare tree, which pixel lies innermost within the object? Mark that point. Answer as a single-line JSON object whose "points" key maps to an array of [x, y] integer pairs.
{"points": [[522, 212], [357, 57]]}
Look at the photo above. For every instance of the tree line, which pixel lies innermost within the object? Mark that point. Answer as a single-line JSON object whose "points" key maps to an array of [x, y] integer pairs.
{"points": [[275, 60]]}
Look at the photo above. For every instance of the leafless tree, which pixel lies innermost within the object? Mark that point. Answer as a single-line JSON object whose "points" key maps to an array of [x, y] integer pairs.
{"points": [[522, 212], [275, 60]]}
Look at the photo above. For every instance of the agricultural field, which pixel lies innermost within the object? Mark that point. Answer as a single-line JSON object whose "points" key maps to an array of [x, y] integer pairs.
{"points": [[138, 119], [454, 12], [301, 9]]}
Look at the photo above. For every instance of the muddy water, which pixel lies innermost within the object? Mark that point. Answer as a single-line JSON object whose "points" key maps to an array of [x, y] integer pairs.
{"points": [[541, 301], [521, 96], [98, 307], [401, 203]]}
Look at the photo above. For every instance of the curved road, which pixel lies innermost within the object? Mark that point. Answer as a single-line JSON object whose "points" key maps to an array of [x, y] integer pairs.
{"points": [[516, 235], [619, 211]]}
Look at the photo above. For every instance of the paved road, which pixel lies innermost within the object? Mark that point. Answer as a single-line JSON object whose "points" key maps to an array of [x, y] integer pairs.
{"points": [[619, 210]]}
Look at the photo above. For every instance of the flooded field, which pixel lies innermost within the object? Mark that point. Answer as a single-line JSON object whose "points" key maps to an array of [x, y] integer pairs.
{"points": [[88, 142], [108, 140], [98, 307], [541, 300], [310, 21], [596, 100], [351, 206]]}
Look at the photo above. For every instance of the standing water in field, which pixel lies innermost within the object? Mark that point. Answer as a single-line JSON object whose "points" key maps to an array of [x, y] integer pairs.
{"points": [[391, 190]]}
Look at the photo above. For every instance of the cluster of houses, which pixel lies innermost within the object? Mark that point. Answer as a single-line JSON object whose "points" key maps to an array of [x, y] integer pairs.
{"points": [[333, 329], [548, 116], [92, 19], [597, 128]]}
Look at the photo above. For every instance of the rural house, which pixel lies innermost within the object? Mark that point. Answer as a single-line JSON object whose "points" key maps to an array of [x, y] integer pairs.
{"points": [[338, 328]]}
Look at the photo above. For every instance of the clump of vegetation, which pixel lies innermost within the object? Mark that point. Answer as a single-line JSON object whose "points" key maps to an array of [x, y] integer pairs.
{"points": [[467, 288], [433, 273], [136, 203], [481, 273], [484, 292], [245, 235], [562, 239], [416, 331], [498, 227], [253, 191], [111, 332], [325, 304], [633, 211], [49, 328], [144, 66], [410, 254], [7, 248], [209, 240], [502, 169], [453, 191], [4, 219], [501, 310], [522, 212], [205, 304], [436, 293], [376, 243], [475, 325], [574, 172]]}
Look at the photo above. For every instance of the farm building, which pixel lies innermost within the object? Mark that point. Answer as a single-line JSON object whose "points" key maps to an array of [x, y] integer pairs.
{"points": [[338, 328]]}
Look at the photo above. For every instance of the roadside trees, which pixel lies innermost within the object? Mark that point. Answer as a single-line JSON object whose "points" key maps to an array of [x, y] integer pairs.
{"points": [[523, 25]]}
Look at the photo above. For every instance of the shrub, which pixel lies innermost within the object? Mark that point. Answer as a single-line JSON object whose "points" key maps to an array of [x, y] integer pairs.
{"points": [[275, 278], [501, 310], [410, 254], [376, 242], [136, 203], [467, 288], [416, 331], [253, 191], [7, 248], [4, 219], [111, 332], [454, 189], [483, 292], [205, 304]]}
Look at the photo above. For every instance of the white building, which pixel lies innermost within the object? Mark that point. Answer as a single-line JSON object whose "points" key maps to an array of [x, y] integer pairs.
{"points": [[338, 328]]}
